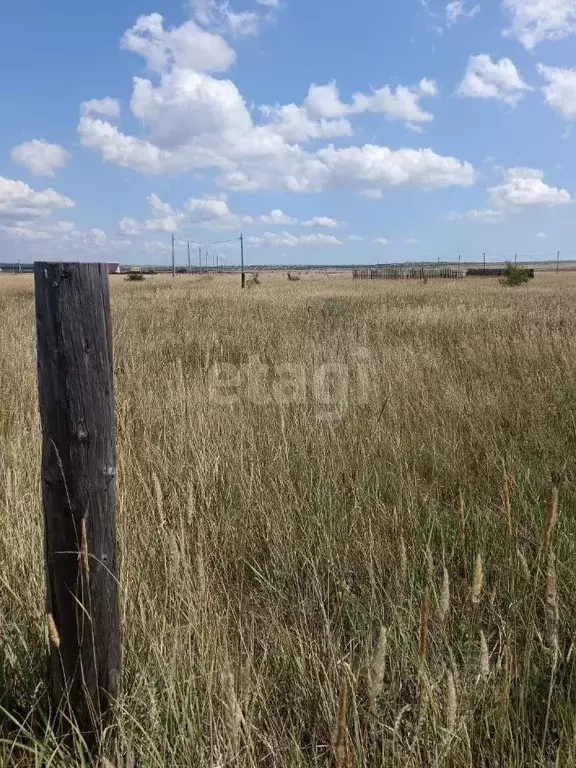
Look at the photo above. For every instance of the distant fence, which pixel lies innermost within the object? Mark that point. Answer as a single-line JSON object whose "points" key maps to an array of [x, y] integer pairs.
{"points": [[491, 272], [16, 267], [402, 272]]}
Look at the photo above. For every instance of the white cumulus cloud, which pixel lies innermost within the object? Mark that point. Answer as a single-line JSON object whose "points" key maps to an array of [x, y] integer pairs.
{"points": [[287, 238], [18, 199], [400, 102], [187, 46], [293, 123], [490, 215], [456, 11], [61, 239], [486, 79], [560, 90], [520, 188], [381, 241], [157, 248], [322, 221], [376, 166], [40, 157], [108, 107], [94, 236], [218, 15], [213, 212], [324, 101], [324, 115], [277, 216], [533, 21], [37, 229], [129, 227], [192, 120], [209, 212], [526, 186]]}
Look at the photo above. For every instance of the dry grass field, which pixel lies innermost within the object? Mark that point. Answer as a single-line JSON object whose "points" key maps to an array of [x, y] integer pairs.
{"points": [[325, 486]]}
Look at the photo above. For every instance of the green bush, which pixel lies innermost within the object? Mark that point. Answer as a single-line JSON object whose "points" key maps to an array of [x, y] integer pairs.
{"points": [[515, 274], [134, 276]]}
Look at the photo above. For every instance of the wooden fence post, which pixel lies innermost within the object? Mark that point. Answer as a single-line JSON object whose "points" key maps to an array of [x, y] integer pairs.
{"points": [[75, 386]]}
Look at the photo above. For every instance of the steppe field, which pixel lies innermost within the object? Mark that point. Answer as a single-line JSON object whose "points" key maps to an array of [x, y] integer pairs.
{"points": [[347, 523]]}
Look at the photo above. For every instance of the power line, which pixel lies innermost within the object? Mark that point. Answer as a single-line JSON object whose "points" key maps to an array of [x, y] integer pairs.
{"points": [[200, 243], [214, 242]]}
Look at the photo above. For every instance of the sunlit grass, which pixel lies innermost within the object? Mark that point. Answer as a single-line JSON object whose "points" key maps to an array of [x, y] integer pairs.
{"points": [[396, 539]]}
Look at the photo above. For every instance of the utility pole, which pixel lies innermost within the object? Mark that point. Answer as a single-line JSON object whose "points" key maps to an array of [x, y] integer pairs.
{"points": [[216, 261], [200, 256], [173, 256], [515, 258], [484, 260], [243, 278], [189, 262], [558, 262]]}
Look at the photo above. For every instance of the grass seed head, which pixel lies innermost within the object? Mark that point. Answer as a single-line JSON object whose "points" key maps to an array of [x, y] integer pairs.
{"points": [[403, 561], [376, 673], [484, 656], [506, 498], [451, 702], [424, 615], [341, 730], [232, 709], [84, 547], [524, 565], [462, 520], [445, 595], [478, 580], [551, 517], [551, 605], [53, 631]]}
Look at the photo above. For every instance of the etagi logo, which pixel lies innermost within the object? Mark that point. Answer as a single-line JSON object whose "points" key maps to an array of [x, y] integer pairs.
{"points": [[329, 387]]}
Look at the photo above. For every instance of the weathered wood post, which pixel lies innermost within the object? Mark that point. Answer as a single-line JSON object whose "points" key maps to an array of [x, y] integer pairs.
{"points": [[75, 386], [243, 275]]}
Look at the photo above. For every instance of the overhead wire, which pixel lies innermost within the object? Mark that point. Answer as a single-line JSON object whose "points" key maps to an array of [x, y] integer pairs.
{"points": [[213, 242]]}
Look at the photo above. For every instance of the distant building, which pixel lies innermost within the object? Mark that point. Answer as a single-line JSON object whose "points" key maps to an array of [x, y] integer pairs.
{"points": [[113, 268]]}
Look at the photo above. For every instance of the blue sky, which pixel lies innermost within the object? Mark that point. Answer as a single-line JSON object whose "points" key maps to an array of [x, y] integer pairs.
{"points": [[325, 132]]}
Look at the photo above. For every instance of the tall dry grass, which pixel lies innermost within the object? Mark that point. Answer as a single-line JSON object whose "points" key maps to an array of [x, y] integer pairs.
{"points": [[305, 584]]}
